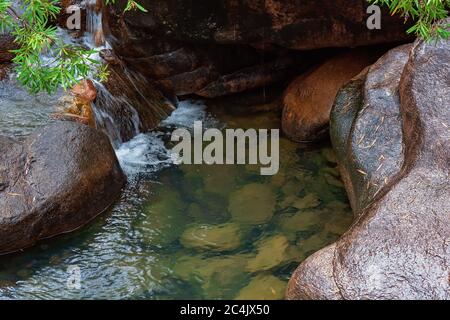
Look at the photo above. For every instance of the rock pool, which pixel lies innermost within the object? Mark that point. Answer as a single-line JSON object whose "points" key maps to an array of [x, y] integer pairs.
{"points": [[188, 231]]}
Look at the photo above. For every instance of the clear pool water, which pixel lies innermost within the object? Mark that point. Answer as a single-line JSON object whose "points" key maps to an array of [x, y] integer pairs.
{"points": [[189, 231]]}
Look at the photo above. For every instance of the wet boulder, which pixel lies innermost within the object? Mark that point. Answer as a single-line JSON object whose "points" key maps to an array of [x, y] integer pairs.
{"points": [[398, 246], [54, 182], [366, 128], [308, 100]]}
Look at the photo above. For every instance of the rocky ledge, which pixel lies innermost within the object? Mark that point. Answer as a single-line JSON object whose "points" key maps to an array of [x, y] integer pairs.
{"points": [[55, 181], [225, 47], [391, 129]]}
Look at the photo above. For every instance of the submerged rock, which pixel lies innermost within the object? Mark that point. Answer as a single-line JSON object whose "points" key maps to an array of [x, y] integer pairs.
{"points": [[309, 201], [308, 100], [272, 252], [218, 277], [57, 180], [398, 247], [252, 204], [263, 287], [223, 237], [165, 220], [290, 224]]}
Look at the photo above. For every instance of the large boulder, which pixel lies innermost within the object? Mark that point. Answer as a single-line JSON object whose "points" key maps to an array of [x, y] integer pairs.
{"points": [[54, 182], [366, 114], [223, 47], [398, 246], [308, 100]]}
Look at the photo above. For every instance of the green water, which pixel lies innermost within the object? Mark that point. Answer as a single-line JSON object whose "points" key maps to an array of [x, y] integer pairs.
{"points": [[195, 231]]}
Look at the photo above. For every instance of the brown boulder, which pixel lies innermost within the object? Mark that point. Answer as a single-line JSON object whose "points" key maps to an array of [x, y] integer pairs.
{"points": [[54, 182], [398, 246], [85, 90], [308, 100]]}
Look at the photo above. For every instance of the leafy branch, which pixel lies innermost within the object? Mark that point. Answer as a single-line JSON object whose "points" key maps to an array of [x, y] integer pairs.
{"points": [[43, 62], [426, 15]]}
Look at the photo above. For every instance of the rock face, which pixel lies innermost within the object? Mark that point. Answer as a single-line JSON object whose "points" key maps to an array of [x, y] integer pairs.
{"points": [[308, 100], [398, 246], [224, 46], [57, 180], [6, 44], [289, 23], [126, 97]]}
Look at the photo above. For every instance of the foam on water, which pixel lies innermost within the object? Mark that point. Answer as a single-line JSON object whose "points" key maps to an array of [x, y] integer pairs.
{"points": [[187, 112], [147, 153]]}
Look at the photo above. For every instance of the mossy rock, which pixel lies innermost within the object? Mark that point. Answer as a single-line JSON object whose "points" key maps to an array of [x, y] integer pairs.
{"points": [[271, 252], [223, 237], [252, 204], [263, 287]]}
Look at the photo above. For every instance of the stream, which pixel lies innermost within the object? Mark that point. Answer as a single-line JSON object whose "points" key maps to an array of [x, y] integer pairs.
{"points": [[182, 231], [188, 231]]}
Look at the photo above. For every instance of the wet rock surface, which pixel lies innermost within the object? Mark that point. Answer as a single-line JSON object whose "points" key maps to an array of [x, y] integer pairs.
{"points": [[223, 47], [134, 102], [6, 44], [398, 246], [366, 128], [55, 181], [290, 24]]}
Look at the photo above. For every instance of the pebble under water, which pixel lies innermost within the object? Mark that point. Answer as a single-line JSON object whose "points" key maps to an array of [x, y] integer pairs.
{"points": [[191, 231]]}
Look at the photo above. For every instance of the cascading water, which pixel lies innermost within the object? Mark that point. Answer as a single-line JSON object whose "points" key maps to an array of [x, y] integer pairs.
{"points": [[94, 26], [127, 103]]}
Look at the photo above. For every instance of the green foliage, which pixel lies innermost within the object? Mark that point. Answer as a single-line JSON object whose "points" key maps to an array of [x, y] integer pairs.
{"points": [[35, 36], [424, 13]]}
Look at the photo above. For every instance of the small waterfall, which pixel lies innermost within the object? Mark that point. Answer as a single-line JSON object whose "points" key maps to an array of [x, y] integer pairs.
{"points": [[94, 26], [115, 116], [127, 103]]}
